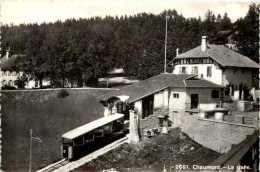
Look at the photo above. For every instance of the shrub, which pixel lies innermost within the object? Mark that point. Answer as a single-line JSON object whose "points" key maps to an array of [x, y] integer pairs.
{"points": [[7, 87], [63, 93]]}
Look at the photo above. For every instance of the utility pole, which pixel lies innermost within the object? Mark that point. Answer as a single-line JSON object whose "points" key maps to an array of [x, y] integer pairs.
{"points": [[165, 43], [30, 165]]}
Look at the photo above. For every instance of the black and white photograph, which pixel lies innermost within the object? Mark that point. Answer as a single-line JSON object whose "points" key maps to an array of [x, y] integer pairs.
{"points": [[129, 86]]}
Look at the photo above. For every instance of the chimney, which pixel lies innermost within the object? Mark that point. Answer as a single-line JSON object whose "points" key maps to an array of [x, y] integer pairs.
{"points": [[7, 53], [177, 52], [204, 42]]}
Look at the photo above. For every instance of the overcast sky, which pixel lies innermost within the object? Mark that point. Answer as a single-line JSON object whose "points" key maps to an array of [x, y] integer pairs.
{"points": [[32, 11]]}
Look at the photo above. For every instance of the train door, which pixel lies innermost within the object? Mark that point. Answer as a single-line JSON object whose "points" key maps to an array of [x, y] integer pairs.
{"points": [[66, 146], [70, 152]]}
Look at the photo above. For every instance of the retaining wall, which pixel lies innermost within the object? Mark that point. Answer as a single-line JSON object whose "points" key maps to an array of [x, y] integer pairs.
{"points": [[218, 136]]}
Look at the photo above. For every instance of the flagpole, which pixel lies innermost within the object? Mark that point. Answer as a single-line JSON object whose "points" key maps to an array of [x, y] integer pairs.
{"points": [[165, 44]]}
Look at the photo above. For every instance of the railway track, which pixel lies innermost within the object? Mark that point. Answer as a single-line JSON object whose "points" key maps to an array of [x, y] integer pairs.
{"points": [[65, 165], [54, 166]]}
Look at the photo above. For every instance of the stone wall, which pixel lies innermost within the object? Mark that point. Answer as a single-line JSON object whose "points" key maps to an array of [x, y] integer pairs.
{"points": [[217, 136], [244, 106], [148, 123], [152, 122]]}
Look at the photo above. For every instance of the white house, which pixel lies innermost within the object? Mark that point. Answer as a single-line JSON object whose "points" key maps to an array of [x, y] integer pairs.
{"points": [[170, 92], [8, 74], [220, 65]]}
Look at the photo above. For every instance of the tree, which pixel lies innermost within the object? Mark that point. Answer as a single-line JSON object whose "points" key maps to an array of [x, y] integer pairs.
{"points": [[247, 37], [225, 23]]}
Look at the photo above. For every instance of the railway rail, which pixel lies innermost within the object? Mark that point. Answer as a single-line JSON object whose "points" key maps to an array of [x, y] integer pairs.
{"points": [[64, 165]]}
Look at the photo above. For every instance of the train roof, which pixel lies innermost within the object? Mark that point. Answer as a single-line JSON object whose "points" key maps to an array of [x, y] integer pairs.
{"points": [[91, 126]]}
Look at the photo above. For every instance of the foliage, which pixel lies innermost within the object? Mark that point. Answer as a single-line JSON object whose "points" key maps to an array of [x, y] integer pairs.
{"points": [[74, 52], [19, 83], [7, 87], [248, 30]]}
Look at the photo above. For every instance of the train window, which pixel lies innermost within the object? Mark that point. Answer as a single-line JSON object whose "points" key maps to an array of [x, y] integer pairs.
{"points": [[89, 137], [78, 141], [108, 128], [99, 132], [117, 126], [67, 141]]}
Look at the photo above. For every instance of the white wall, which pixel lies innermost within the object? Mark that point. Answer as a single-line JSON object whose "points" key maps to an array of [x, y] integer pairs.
{"points": [[31, 84], [176, 105], [161, 99], [138, 107], [202, 70], [206, 102], [8, 76], [12, 76]]}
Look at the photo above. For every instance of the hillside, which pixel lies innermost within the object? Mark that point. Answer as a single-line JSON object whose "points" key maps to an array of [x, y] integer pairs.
{"points": [[49, 117]]}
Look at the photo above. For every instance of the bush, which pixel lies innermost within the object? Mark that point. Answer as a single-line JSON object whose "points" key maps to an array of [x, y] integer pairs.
{"points": [[7, 87], [63, 93]]}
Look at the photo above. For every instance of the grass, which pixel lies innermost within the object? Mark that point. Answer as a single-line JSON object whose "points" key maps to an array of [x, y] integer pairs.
{"points": [[49, 117], [153, 154]]}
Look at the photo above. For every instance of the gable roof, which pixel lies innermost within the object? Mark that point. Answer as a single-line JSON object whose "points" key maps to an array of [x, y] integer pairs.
{"points": [[201, 83], [157, 83], [7, 63], [222, 55]]}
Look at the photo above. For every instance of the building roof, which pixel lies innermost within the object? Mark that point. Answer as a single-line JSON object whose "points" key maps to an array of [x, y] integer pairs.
{"points": [[222, 55], [201, 83], [91, 126], [224, 33], [156, 83], [7, 63]]}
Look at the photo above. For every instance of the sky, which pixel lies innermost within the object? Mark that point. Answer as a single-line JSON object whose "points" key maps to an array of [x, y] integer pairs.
{"points": [[31, 11]]}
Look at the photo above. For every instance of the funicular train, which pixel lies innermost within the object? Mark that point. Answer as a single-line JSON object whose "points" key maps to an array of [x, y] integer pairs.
{"points": [[104, 128]]}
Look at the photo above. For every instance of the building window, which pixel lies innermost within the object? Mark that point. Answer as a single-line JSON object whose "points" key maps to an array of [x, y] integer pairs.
{"points": [[195, 70], [182, 70], [175, 95], [215, 94], [209, 71]]}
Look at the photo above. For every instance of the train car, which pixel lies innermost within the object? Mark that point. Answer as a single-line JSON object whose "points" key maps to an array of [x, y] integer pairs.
{"points": [[77, 139]]}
